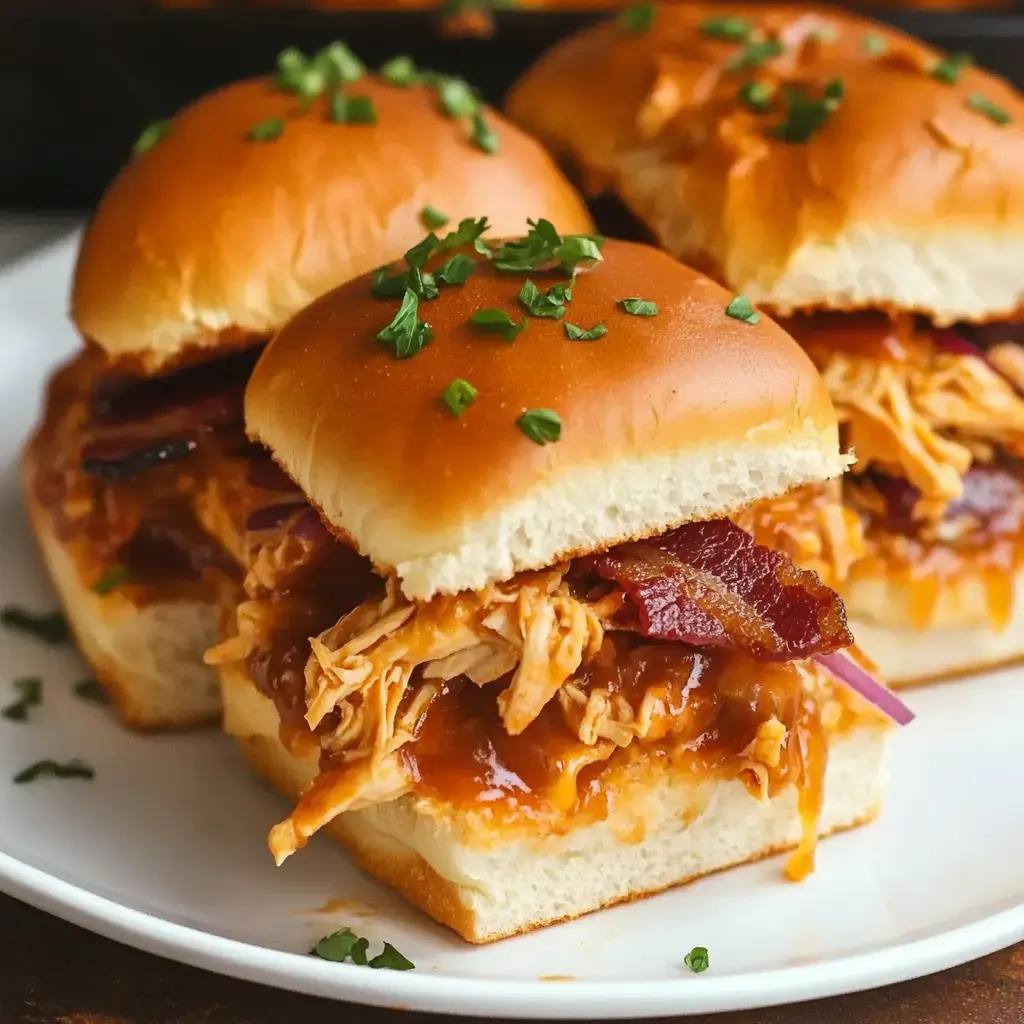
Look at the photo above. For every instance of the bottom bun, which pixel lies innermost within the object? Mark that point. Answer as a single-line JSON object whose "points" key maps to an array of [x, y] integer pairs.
{"points": [[502, 886], [148, 658], [959, 639], [909, 657]]}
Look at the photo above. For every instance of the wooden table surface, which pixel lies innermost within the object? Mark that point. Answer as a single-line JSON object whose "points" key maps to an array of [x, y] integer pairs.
{"points": [[54, 973]]}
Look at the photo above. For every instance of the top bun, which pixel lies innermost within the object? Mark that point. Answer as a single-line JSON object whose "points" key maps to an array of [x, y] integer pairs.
{"points": [[910, 195], [683, 415], [211, 240]]}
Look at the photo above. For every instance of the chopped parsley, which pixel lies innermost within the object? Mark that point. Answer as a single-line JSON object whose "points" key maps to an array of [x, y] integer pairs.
{"points": [[542, 426], [806, 115], [549, 304], [459, 396], [150, 136], [638, 307], [90, 690], [340, 65], [875, 44], [638, 18], [457, 96], [741, 308], [297, 74], [499, 322], [389, 959], [756, 96], [456, 270], [111, 580], [949, 67], [422, 283], [30, 695], [755, 53], [346, 109], [985, 106], [307, 77], [266, 131], [400, 71], [543, 244], [469, 231], [727, 26], [483, 136], [50, 627], [406, 335], [697, 959], [432, 218], [345, 945], [385, 284], [574, 333], [50, 769]]}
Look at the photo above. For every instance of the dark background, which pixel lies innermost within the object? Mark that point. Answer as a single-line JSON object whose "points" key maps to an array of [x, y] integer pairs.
{"points": [[79, 79]]}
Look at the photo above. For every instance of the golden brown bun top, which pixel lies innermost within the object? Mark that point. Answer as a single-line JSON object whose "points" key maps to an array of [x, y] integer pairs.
{"points": [[210, 239], [368, 438], [905, 159]]}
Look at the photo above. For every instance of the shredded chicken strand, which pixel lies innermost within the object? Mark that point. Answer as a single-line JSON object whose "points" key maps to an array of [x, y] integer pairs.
{"points": [[272, 559], [531, 625], [812, 526], [924, 418]]}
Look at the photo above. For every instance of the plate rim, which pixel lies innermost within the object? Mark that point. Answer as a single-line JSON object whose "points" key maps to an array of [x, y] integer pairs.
{"points": [[439, 993]]}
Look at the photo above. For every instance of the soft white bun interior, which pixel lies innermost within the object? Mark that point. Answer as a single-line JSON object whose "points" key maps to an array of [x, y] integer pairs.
{"points": [[960, 637], [148, 658], [487, 888], [591, 508]]}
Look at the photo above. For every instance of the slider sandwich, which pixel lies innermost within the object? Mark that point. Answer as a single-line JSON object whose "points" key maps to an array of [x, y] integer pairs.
{"points": [[229, 218], [868, 191], [515, 653]]}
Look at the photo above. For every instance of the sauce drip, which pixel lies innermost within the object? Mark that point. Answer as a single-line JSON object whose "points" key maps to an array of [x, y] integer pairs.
{"points": [[711, 703]]}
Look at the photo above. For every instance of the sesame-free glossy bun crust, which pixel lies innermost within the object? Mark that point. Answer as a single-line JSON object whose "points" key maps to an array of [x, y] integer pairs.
{"points": [[210, 240], [906, 198], [368, 439]]}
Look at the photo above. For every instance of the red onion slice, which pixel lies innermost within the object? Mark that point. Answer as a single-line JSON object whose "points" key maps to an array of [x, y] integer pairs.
{"points": [[847, 671], [309, 527], [957, 345], [271, 516]]}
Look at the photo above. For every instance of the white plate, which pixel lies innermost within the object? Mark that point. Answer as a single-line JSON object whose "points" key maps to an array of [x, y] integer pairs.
{"points": [[166, 850]]}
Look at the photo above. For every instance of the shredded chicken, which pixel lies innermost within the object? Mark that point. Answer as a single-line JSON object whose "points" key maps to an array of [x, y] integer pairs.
{"points": [[1008, 358], [372, 677], [269, 561], [811, 525], [361, 669], [361, 666], [925, 418]]}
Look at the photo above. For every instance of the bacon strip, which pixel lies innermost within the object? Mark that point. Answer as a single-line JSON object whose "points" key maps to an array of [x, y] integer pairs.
{"points": [[992, 500], [137, 424], [710, 584]]}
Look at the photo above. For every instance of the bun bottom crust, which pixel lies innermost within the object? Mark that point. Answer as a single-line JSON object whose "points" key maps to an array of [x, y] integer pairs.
{"points": [[149, 659], [488, 887], [959, 641], [909, 657]]}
